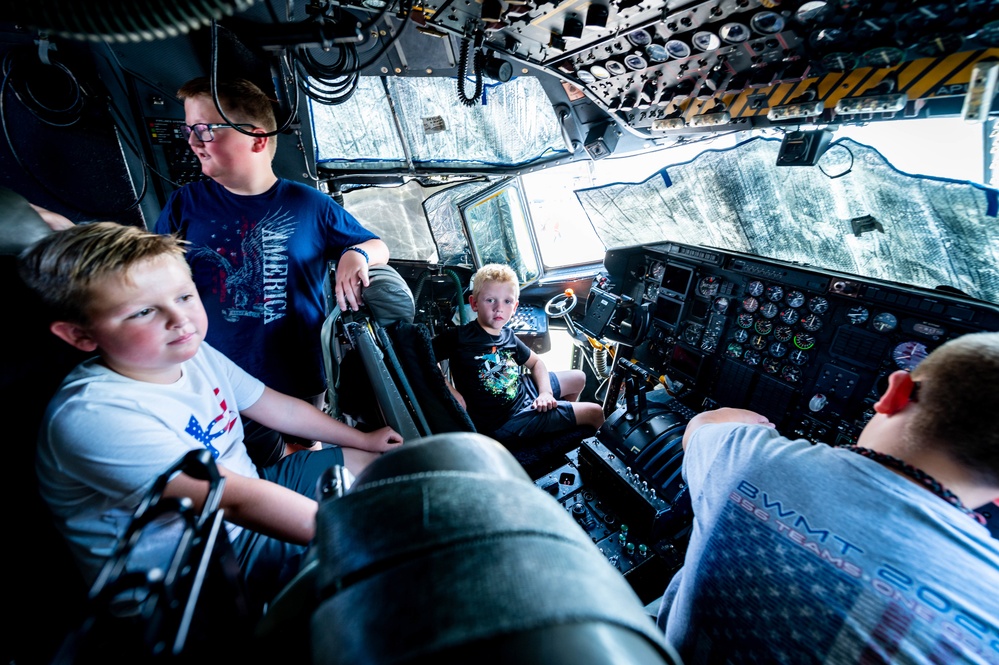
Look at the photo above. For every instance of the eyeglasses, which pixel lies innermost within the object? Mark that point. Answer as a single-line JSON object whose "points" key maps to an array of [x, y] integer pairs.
{"points": [[205, 132]]}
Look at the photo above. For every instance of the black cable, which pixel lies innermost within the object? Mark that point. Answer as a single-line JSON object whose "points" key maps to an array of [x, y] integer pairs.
{"points": [[4, 84], [404, 8], [848, 168], [477, 66], [213, 80], [331, 85], [54, 117]]}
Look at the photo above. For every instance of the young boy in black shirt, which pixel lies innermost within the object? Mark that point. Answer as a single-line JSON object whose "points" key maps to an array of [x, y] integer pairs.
{"points": [[485, 361]]}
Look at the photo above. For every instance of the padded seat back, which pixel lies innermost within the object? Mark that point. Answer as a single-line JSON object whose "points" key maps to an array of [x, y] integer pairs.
{"points": [[443, 551]]}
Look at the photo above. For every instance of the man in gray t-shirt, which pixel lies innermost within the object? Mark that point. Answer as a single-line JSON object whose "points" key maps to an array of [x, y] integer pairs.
{"points": [[808, 553]]}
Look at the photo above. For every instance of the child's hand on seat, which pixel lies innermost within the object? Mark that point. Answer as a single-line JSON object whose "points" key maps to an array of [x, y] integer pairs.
{"points": [[382, 440], [544, 402]]}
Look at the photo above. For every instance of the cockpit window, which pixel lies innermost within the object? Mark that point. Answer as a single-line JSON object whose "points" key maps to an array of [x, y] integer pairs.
{"points": [[401, 123], [855, 214]]}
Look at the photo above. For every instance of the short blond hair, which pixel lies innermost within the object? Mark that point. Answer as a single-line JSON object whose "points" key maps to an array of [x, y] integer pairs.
{"points": [[495, 272], [61, 267]]}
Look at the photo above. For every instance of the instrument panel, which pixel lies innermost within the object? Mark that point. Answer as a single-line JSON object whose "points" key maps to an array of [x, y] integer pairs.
{"points": [[809, 349]]}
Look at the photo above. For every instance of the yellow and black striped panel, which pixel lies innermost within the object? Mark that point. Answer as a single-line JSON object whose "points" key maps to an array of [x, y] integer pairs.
{"points": [[926, 78]]}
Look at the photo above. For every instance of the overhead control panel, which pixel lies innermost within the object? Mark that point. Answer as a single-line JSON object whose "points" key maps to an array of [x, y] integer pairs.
{"points": [[664, 67]]}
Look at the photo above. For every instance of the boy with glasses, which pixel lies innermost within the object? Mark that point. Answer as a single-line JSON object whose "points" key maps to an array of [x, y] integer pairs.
{"points": [[260, 246]]}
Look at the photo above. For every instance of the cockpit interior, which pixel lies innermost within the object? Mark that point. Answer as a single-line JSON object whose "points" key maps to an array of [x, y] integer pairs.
{"points": [[762, 257]]}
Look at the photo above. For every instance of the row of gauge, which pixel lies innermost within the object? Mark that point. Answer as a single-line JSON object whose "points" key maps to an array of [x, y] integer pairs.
{"points": [[646, 51], [775, 328]]}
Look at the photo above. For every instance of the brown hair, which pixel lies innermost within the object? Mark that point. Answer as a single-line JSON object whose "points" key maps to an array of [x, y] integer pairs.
{"points": [[242, 101], [495, 272], [958, 401], [60, 267]]}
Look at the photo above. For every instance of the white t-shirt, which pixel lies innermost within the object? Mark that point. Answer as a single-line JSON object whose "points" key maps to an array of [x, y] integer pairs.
{"points": [[106, 438]]}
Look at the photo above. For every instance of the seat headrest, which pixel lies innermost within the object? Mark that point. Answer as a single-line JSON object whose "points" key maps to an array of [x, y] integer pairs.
{"points": [[388, 297], [20, 225]]}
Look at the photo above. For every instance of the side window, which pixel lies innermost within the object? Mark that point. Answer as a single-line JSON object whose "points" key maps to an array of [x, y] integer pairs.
{"points": [[499, 230]]}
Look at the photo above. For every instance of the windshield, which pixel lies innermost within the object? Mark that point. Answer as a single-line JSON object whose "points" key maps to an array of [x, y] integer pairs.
{"points": [[853, 213], [399, 123]]}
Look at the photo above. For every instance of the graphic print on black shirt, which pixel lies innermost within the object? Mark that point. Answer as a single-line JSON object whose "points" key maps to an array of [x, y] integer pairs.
{"points": [[499, 373]]}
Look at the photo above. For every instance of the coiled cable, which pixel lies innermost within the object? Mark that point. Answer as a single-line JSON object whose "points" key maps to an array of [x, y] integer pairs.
{"points": [[462, 67]]}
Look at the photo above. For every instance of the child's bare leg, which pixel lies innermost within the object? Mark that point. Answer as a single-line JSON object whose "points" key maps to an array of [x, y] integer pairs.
{"points": [[571, 382], [588, 413]]}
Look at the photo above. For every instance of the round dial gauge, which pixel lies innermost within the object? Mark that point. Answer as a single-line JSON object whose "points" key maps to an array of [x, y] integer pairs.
{"points": [[763, 326], [720, 305], [804, 341], [828, 39], [709, 344], [750, 304], [883, 56], [783, 333], [740, 335], [798, 357], [795, 298], [768, 310], [656, 53], [733, 350], [791, 374], [872, 27], [812, 11], [585, 77], [635, 62], [734, 33], [758, 342], [909, 354], [775, 293], [818, 305], [857, 315], [778, 349], [755, 288], [767, 23], [932, 46], [811, 323], [989, 34], [708, 286], [771, 366], [744, 320], [705, 41], [639, 38], [884, 322], [614, 67], [599, 72], [839, 61], [789, 316], [677, 49], [751, 357], [692, 333]]}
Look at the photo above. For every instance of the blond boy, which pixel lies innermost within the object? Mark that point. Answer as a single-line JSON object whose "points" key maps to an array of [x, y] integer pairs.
{"points": [[485, 363], [155, 391]]}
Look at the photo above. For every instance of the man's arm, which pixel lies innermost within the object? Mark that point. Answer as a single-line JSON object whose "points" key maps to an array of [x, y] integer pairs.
{"points": [[352, 272], [539, 374], [294, 416], [254, 503], [723, 415]]}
